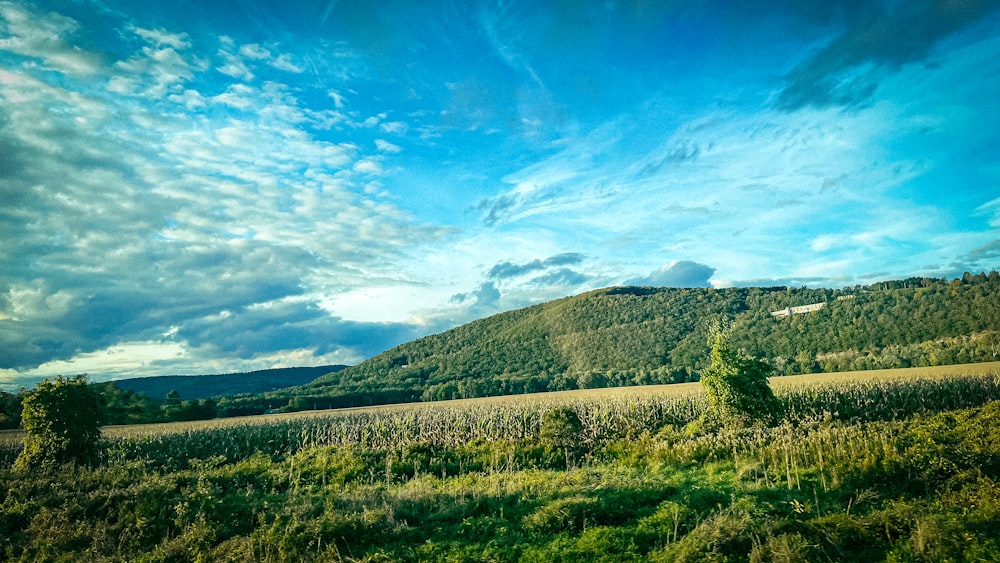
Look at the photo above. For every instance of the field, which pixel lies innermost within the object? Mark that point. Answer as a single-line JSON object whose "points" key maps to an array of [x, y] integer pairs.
{"points": [[899, 465], [10, 438]]}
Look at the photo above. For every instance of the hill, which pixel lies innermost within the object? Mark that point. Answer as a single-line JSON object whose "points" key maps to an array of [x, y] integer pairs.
{"points": [[204, 386], [644, 335]]}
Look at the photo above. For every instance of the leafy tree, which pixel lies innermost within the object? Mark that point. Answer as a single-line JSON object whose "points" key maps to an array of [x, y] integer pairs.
{"points": [[62, 421], [560, 430], [123, 406], [10, 411], [736, 384]]}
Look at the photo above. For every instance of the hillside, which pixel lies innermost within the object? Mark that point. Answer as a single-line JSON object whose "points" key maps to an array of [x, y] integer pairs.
{"points": [[205, 386], [643, 335]]}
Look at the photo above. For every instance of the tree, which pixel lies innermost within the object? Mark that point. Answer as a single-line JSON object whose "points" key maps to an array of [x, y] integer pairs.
{"points": [[62, 422], [736, 384], [10, 411], [173, 397], [560, 430]]}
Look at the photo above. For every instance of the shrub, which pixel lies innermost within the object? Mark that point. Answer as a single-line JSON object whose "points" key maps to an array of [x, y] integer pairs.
{"points": [[62, 422], [560, 431], [561, 427], [736, 384]]}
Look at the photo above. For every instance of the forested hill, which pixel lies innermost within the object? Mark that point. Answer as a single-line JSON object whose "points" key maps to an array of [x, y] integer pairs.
{"points": [[642, 335], [204, 386]]}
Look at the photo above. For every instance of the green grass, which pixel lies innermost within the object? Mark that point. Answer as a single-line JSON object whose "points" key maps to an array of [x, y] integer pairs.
{"points": [[889, 468]]}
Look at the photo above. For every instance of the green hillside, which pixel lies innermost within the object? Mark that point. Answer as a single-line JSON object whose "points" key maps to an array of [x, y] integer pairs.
{"points": [[642, 335], [205, 386]]}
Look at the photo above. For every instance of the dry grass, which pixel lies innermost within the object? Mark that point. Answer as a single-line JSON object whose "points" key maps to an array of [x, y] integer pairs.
{"points": [[933, 372]]}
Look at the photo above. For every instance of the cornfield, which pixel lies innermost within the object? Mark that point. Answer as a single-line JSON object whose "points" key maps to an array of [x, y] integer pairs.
{"points": [[607, 415]]}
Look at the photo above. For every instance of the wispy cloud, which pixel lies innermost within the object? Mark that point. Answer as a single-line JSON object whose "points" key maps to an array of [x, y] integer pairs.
{"points": [[328, 181], [163, 65], [507, 269], [876, 41]]}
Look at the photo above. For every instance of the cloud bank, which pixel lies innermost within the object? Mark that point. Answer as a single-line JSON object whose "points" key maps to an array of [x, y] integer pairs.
{"points": [[683, 273]]}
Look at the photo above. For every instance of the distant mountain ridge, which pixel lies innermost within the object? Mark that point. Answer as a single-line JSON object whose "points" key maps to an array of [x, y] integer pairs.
{"points": [[191, 387]]}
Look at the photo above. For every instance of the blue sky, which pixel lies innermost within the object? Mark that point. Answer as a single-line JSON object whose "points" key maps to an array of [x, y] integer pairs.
{"points": [[203, 187]]}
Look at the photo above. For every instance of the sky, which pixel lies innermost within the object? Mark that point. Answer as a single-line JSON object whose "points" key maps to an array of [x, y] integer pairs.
{"points": [[193, 187]]}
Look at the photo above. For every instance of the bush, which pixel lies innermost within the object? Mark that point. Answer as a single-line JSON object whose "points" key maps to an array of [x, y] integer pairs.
{"points": [[62, 422], [561, 428], [736, 384], [560, 431]]}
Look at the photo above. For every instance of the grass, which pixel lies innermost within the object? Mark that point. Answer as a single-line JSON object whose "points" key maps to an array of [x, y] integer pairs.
{"points": [[898, 465]]}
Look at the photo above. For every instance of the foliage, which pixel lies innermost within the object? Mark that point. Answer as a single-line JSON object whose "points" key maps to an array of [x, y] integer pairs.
{"points": [[736, 385], [640, 336], [62, 424], [10, 411], [562, 430], [913, 482]]}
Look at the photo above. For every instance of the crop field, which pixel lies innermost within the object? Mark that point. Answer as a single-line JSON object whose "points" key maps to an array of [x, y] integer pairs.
{"points": [[684, 398], [605, 414]]}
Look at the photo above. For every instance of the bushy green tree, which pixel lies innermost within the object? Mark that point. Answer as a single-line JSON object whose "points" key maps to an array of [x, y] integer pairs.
{"points": [[560, 431], [736, 384], [10, 411], [62, 422]]}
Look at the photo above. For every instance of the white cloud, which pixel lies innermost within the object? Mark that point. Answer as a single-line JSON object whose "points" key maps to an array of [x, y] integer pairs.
{"points": [[379, 304], [155, 71], [124, 358], [992, 209], [234, 66], [255, 52], [338, 99], [190, 99], [37, 302], [44, 36], [367, 167], [191, 213], [239, 96], [394, 127], [387, 147], [744, 193], [161, 38], [284, 62], [203, 194], [823, 243]]}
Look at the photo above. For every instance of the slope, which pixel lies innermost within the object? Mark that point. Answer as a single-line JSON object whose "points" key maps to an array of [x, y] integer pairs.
{"points": [[632, 335], [205, 386]]}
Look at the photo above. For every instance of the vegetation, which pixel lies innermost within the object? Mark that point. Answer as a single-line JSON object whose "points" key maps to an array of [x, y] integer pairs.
{"points": [[736, 384], [62, 424], [10, 411], [875, 466], [870, 469], [640, 336], [194, 387]]}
